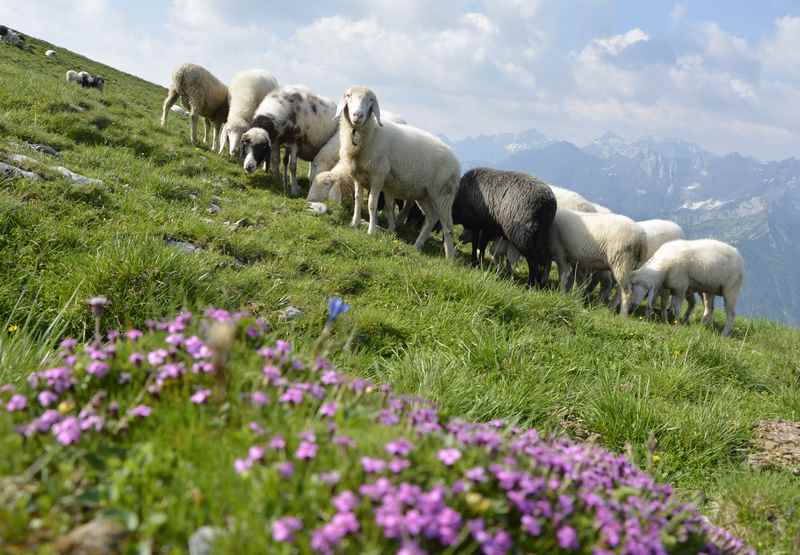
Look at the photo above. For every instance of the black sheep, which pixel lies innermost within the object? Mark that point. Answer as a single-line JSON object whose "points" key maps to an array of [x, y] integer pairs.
{"points": [[491, 204]]}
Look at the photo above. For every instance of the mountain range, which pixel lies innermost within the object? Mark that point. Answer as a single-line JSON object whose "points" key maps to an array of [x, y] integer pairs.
{"points": [[749, 203]]}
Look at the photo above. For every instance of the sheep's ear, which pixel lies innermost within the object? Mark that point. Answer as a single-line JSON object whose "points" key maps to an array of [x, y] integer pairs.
{"points": [[340, 107], [376, 111]]}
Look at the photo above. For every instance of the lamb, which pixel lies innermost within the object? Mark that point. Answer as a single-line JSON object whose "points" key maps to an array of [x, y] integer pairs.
{"points": [[203, 94], [401, 161], [292, 116], [683, 268], [493, 204], [50, 53], [89, 81], [72, 76], [596, 242], [247, 90]]}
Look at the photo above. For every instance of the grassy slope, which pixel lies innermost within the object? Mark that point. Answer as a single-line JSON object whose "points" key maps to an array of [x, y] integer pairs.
{"points": [[479, 346]]}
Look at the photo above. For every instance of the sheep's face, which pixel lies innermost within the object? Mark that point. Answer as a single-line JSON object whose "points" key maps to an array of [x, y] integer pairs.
{"points": [[235, 133], [257, 149], [359, 103], [638, 292], [320, 188]]}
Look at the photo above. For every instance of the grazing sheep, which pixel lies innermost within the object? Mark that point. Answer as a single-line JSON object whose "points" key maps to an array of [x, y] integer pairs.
{"points": [[296, 118], [597, 242], [203, 94], [493, 204], [401, 161], [72, 76], [50, 53], [683, 268], [502, 251], [89, 81], [328, 156], [247, 90]]}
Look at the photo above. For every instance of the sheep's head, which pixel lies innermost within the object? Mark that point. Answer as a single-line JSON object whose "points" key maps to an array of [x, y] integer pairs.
{"points": [[257, 149], [358, 104], [640, 288], [234, 132]]}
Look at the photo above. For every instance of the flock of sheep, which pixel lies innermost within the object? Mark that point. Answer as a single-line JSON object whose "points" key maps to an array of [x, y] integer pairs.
{"points": [[354, 146]]}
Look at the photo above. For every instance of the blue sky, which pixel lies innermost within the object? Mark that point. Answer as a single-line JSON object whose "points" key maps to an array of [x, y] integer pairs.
{"points": [[723, 74]]}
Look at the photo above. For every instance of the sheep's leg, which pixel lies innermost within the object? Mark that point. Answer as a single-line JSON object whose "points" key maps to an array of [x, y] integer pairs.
{"points": [[172, 98], [357, 194], [214, 135], [677, 301], [388, 207], [445, 216], [708, 308], [533, 270], [223, 138], [691, 302], [474, 244], [625, 291], [313, 170], [295, 191], [193, 129], [730, 310], [375, 187], [428, 225], [483, 241], [275, 160], [402, 218]]}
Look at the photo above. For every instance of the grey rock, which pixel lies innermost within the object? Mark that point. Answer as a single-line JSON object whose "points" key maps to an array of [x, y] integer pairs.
{"points": [[290, 313], [184, 245], [23, 158], [213, 209], [202, 541], [9, 171], [317, 208], [44, 149], [76, 177]]}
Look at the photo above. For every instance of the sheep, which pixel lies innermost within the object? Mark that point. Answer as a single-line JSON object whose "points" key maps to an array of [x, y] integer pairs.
{"points": [[247, 90], [50, 53], [327, 184], [72, 76], [493, 204], [596, 242], [292, 116], [203, 94], [328, 156], [401, 161], [89, 81], [683, 268], [503, 251], [9, 36]]}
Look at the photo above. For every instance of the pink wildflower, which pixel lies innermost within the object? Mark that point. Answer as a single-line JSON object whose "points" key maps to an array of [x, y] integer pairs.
{"points": [[16, 403], [448, 456], [201, 396]]}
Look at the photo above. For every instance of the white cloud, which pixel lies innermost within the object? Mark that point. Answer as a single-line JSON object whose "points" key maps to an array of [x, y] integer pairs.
{"points": [[679, 12], [781, 52]]}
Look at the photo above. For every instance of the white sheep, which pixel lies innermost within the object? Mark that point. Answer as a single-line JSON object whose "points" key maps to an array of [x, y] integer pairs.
{"points": [[597, 242], [203, 94], [50, 53], [328, 156], [247, 90], [298, 119], [401, 161], [73, 76], [658, 232], [327, 185], [683, 268]]}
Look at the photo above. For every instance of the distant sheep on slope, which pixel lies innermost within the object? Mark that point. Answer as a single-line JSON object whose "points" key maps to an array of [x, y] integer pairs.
{"points": [[686, 267], [516, 207], [401, 161], [203, 94], [247, 90], [50, 53]]}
